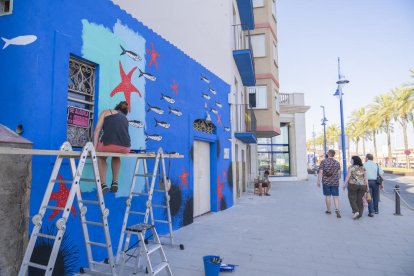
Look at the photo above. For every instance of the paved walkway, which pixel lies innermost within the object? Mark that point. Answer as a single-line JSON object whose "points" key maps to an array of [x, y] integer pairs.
{"points": [[288, 233]]}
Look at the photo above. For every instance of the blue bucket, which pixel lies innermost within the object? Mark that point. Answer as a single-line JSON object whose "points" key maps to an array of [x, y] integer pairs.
{"points": [[210, 268]]}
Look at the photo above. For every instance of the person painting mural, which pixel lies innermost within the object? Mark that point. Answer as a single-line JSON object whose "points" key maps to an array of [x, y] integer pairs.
{"points": [[111, 135]]}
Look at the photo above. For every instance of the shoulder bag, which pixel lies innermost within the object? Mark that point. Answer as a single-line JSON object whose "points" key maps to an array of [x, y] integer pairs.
{"points": [[379, 177]]}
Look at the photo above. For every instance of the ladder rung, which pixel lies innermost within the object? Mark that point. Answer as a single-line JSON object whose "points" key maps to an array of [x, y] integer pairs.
{"points": [[97, 243], [37, 266], [159, 206], [99, 263], [89, 201], [159, 191], [148, 174], [46, 236], [54, 208], [161, 221], [88, 180], [152, 248], [136, 213], [139, 194], [159, 267], [61, 181], [93, 223]]}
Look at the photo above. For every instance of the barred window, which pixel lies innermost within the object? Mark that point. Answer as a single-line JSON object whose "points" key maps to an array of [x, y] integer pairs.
{"points": [[204, 126], [81, 99], [6, 6]]}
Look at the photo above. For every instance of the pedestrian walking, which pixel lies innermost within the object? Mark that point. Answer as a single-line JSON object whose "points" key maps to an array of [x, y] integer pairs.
{"points": [[373, 171], [357, 186], [329, 173]]}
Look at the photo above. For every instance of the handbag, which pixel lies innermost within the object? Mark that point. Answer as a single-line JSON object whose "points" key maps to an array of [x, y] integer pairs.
{"points": [[368, 195], [379, 177]]}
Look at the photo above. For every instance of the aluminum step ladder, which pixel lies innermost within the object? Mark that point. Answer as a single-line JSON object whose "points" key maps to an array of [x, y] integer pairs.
{"points": [[95, 268], [147, 248]]}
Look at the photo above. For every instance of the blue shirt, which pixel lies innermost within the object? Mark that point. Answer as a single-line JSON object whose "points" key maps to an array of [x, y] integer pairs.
{"points": [[372, 169]]}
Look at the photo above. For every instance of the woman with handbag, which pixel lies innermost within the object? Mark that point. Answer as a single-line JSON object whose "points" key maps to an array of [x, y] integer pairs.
{"points": [[357, 186]]}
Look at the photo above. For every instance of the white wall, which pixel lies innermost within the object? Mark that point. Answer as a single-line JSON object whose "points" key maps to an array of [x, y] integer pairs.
{"points": [[202, 29], [301, 157]]}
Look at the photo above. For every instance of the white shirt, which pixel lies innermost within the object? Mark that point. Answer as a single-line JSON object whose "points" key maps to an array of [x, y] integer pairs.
{"points": [[372, 169]]}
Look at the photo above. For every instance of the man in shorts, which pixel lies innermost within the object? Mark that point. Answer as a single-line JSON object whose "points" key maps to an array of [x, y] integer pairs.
{"points": [[329, 173]]}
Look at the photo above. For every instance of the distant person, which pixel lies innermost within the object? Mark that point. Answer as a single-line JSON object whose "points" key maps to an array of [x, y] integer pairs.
{"points": [[266, 183], [113, 124], [329, 173], [373, 170], [357, 186]]}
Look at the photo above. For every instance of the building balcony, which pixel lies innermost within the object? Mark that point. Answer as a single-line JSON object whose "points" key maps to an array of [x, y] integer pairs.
{"points": [[292, 103], [246, 13], [245, 125], [243, 55]]}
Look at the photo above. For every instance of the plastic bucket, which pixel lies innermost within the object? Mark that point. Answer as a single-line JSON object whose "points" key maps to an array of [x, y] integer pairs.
{"points": [[210, 268]]}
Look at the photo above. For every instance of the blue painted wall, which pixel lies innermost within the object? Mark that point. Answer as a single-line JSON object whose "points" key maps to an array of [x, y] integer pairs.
{"points": [[34, 90]]}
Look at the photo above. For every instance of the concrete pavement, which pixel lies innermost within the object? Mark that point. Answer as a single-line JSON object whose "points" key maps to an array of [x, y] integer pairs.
{"points": [[288, 233]]}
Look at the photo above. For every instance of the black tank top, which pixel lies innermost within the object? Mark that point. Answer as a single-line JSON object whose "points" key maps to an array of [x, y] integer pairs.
{"points": [[115, 130]]}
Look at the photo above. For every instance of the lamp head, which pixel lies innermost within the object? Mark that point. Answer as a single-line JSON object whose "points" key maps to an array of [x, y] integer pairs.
{"points": [[342, 81]]}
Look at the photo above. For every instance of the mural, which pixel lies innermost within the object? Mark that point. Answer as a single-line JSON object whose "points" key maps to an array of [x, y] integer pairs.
{"points": [[167, 92]]}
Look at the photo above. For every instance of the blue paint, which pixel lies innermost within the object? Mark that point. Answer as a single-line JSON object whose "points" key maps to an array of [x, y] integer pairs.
{"points": [[34, 94], [244, 62]]}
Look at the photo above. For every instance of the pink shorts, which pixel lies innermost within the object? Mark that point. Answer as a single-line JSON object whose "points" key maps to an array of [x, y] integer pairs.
{"points": [[111, 148]]}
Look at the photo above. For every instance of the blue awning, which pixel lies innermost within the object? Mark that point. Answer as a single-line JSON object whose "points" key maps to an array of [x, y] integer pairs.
{"points": [[246, 14], [244, 62], [246, 137]]}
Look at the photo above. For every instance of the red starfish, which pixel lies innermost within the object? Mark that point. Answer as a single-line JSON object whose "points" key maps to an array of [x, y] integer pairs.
{"points": [[174, 87], [153, 55], [224, 172], [183, 178], [126, 86], [219, 120], [61, 196], [220, 186]]}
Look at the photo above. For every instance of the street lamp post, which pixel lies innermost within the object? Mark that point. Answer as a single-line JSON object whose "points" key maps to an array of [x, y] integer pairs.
{"points": [[324, 120], [341, 82]]}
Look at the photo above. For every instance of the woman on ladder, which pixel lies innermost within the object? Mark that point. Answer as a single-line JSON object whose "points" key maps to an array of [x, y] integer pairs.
{"points": [[111, 135]]}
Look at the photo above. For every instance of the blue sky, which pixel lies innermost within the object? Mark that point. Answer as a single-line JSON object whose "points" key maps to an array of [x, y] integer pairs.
{"points": [[373, 38]]}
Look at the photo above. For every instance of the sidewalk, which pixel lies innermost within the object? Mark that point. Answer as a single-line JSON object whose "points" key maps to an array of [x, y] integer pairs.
{"points": [[288, 233]]}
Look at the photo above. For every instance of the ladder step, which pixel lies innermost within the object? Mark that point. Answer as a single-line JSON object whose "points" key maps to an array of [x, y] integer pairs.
{"points": [[54, 208], [97, 243], [89, 202], [46, 236], [99, 263], [139, 194], [88, 180], [159, 267], [159, 206], [153, 248], [147, 174], [161, 221], [159, 190], [61, 181], [136, 213], [37, 266], [93, 223]]}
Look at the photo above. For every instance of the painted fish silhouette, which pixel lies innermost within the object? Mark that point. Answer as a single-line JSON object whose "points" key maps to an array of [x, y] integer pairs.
{"points": [[19, 40], [176, 112], [154, 137], [206, 96], [214, 111], [205, 79], [167, 98], [132, 55], [136, 123], [227, 129], [161, 124], [155, 109], [219, 104], [213, 91], [146, 75]]}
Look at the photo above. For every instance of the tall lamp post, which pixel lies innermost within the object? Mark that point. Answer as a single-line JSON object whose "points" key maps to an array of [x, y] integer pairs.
{"points": [[324, 120], [341, 82]]}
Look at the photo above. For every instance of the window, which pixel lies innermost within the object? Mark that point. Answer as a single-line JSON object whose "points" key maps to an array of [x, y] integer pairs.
{"points": [[275, 55], [258, 96], [258, 3], [274, 9], [81, 99], [258, 45], [6, 6]]}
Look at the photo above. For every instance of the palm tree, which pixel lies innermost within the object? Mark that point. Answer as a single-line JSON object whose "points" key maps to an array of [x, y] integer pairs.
{"points": [[403, 104], [357, 116], [351, 130], [332, 133], [383, 105]]}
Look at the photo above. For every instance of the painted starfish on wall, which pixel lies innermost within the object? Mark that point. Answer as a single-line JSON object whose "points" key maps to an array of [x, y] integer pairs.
{"points": [[219, 120], [174, 87], [183, 178], [61, 196], [126, 86], [220, 186], [153, 56]]}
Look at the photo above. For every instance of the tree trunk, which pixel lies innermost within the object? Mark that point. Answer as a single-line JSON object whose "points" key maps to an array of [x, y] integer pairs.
{"points": [[374, 140], [357, 143], [389, 160], [363, 146], [404, 127]]}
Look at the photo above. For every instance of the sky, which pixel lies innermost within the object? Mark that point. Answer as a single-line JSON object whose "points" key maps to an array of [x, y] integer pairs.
{"points": [[374, 40]]}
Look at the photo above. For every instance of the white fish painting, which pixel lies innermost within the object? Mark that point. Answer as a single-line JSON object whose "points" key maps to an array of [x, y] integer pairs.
{"points": [[19, 40]]}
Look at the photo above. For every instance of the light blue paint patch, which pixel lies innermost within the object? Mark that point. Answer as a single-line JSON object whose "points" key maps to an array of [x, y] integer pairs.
{"points": [[102, 46]]}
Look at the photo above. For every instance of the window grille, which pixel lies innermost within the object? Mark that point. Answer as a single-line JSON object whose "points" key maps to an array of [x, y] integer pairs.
{"points": [[6, 7], [204, 126], [81, 99]]}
